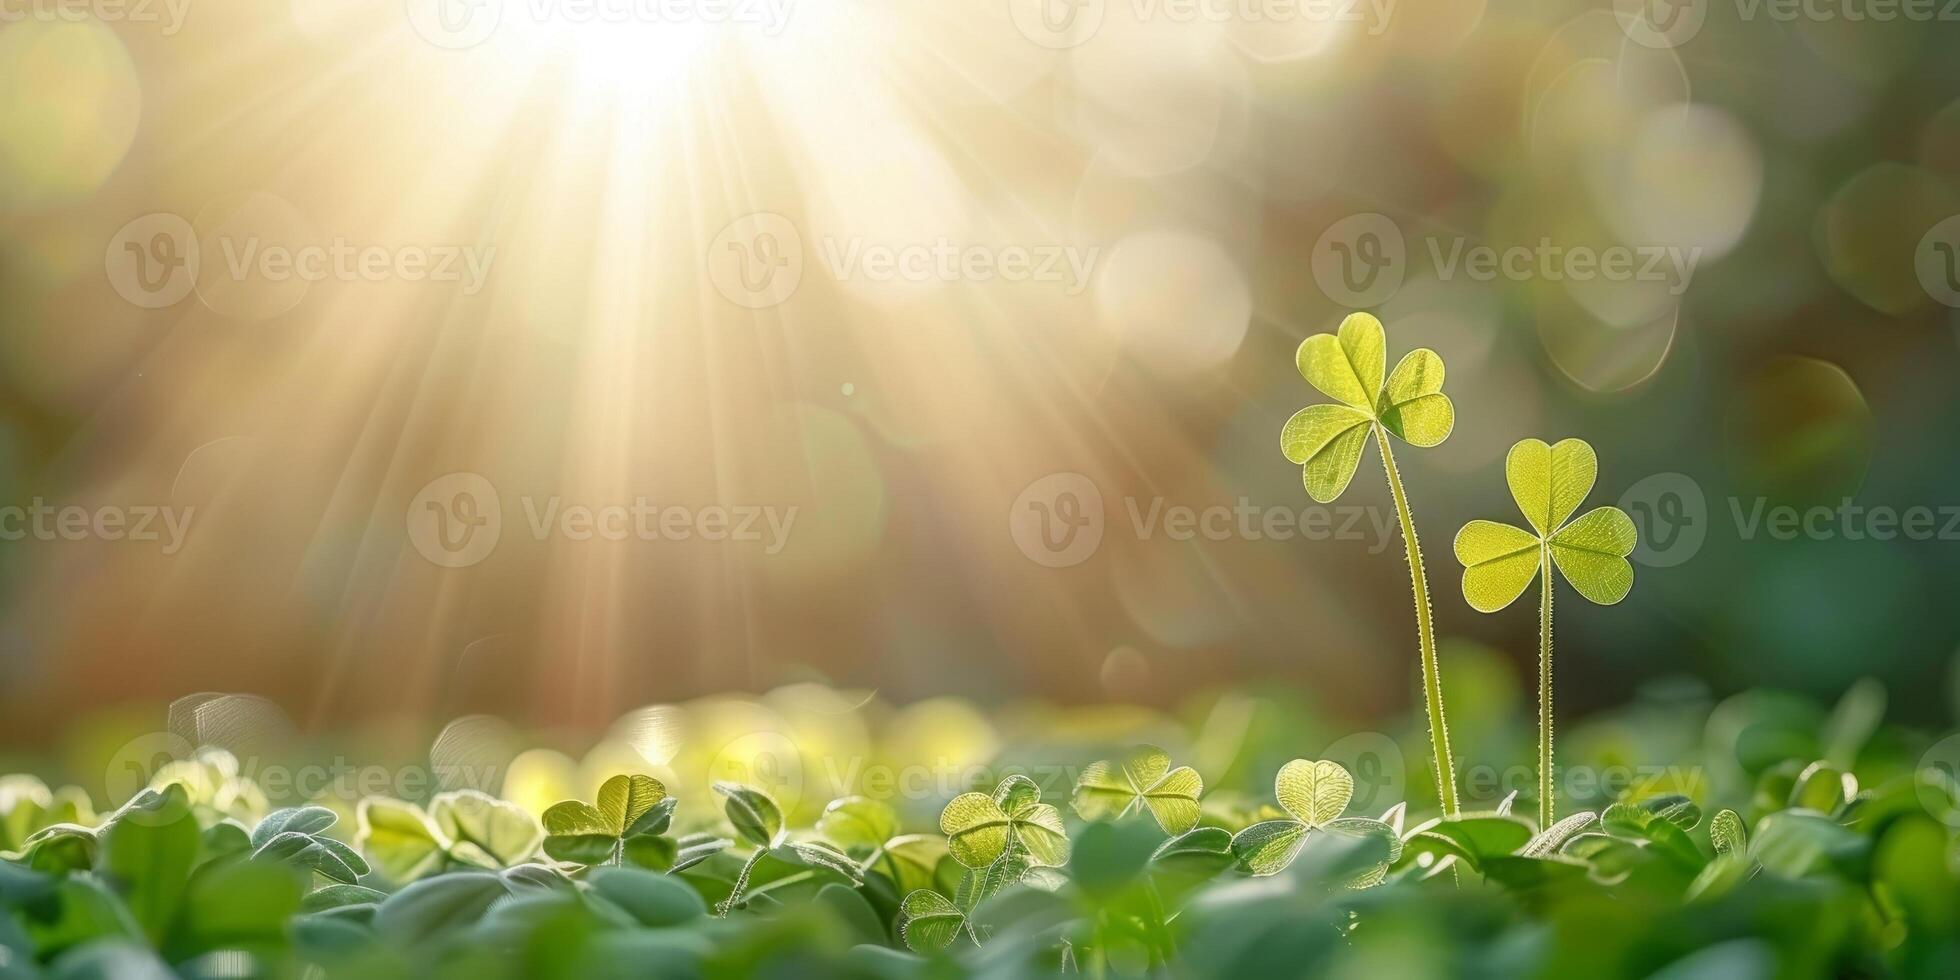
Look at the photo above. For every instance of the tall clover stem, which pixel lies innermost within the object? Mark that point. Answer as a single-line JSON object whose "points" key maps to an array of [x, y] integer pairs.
{"points": [[1432, 684], [1545, 807]]}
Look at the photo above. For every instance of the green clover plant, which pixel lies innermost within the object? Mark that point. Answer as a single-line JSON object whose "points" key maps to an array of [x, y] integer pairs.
{"points": [[1001, 839], [1500, 561], [460, 829], [1143, 781], [1314, 794], [1327, 442], [758, 821]]}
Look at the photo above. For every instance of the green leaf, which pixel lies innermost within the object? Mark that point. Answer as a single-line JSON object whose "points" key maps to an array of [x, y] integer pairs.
{"points": [[754, 814], [340, 895], [503, 831], [1548, 841], [1796, 843], [1474, 838], [1267, 848], [980, 884], [1626, 821], [693, 849], [577, 832], [433, 906], [816, 854], [1201, 850], [930, 921], [1675, 809], [910, 861], [1414, 407], [61, 848], [1039, 831], [234, 904], [1549, 482], [402, 841], [1347, 366], [976, 829], [1314, 792], [624, 799], [1499, 561], [308, 820], [1327, 441], [654, 900], [148, 850], [858, 824], [1822, 788], [1727, 833], [1592, 554]]}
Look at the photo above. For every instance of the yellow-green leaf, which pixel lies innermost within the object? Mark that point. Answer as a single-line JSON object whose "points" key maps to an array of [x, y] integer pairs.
{"points": [[858, 823], [976, 829], [1347, 368], [1267, 848], [1173, 801], [1327, 440], [1549, 482], [1499, 561], [1313, 792], [1328, 473], [400, 840], [504, 831], [1102, 791], [1591, 552], [624, 798], [1413, 406], [1040, 831], [1145, 779], [931, 921]]}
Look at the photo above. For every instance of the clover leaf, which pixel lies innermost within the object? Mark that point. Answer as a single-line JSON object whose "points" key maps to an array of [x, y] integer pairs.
{"points": [[1145, 780], [1314, 794], [463, 828], [868, 830], [1549, 482], [980, 828], [758, 820], [631, 815], [297, 837], [1327, 440]]}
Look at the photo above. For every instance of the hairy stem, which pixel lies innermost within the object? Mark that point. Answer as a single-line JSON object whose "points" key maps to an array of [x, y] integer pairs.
{"points": [[1546, 810], [1432, 683], [741, 883]]}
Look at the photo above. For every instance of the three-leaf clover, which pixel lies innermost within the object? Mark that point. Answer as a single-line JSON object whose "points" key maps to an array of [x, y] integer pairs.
{"points": [[461, 828], [1327, 440], [1314, 794], [1548, 483], [1500, 561], [1145, 780], [632, 814], [980, 828]]}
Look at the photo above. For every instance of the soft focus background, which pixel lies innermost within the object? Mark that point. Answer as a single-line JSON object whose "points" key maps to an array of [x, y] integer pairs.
{"points": [[1215, 176]]}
